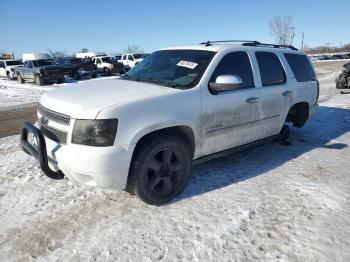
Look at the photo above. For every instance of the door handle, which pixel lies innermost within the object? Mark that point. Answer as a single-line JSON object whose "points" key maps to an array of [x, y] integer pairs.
{"points": [[252, 100], [286, 93]]}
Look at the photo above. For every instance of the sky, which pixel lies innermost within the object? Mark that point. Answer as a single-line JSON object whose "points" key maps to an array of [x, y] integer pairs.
{"points": [[110, 26]]}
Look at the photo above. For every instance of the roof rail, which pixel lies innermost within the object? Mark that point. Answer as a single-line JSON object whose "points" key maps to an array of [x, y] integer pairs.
{"points": [[208, 43], [249, 43]]}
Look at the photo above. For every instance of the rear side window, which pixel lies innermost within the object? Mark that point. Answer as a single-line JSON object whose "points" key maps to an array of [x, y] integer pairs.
{"points": [[301, 67], [238, 64], [271, 70]]}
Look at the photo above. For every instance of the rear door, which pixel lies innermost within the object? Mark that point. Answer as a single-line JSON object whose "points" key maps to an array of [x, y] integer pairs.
{"points": [[29, 73], [25, 69], [275, 93], [230, 118]]}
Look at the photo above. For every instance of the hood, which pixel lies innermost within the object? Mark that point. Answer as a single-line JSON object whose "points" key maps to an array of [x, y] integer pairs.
{"points": [[14, 66], [85, 100], [47, 66]]}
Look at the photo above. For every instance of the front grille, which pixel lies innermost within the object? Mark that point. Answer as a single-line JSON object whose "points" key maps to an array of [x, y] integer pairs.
{"points": [[52, 115], [54, 134], [51, 71]]}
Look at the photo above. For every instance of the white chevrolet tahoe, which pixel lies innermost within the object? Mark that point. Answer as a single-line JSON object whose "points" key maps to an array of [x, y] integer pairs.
{"points": [[179, 106]]}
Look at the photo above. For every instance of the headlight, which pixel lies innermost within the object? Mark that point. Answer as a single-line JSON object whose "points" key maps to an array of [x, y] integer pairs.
{"points": [[95, 132]]}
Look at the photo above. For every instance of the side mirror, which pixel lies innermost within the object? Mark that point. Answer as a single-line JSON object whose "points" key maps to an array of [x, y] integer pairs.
{"points": [[226, 83]]}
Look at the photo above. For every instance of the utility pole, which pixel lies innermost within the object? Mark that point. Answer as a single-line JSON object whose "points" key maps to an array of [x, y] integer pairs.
{"points": [[302, 41]]}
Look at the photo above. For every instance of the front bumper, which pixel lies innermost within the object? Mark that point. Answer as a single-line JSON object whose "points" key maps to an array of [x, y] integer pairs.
{"points": [[105, 167]]}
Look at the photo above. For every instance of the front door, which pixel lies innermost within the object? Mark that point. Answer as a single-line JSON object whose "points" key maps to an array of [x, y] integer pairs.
{"points": [[231, 118]]}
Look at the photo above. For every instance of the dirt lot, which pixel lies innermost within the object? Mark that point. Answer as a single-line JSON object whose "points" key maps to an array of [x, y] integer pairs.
{"points": [[12, 118]]}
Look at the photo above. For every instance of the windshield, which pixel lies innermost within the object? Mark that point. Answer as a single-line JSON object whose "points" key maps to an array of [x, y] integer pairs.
{"points": [[174, 68], [12, 63], [139, 56], [41, 63], [106, 59]]}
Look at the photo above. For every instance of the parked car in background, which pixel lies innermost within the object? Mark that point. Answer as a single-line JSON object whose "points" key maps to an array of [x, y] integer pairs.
{"points": [[192, 103], [35, 56], [323, 57], [117, 58], [40, 71], [338, 56], [107, 65], [130, 60], [7, 68], [90, 54], [77, 67]]}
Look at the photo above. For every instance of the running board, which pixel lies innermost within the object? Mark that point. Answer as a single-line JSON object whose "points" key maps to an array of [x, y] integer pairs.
{"points": [[232, 150]]}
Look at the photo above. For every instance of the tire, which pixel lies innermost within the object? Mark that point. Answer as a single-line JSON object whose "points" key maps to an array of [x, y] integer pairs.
{"points": [[76, 75], [60, 80], [284, 134], [38, 80], [20, 79], [8, 76], [94, 76], [106, 71], [160, 169]]}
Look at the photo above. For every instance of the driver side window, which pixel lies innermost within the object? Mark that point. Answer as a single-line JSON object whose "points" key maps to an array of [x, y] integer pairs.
{"points": [[238, 64]]}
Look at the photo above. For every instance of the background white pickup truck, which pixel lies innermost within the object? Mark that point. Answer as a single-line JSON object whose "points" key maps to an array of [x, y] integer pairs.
{"points": [[130, 60], [7, 68]]}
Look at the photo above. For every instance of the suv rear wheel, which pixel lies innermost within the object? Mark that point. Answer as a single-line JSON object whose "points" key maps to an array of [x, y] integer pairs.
{"points": [[160, 169]]}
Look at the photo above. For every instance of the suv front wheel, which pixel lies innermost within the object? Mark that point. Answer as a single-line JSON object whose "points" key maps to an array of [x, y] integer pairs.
{"points": [[160, 169]]}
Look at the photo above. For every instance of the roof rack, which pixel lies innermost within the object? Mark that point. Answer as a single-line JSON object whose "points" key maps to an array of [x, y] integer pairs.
{"points": [[249, 43]]}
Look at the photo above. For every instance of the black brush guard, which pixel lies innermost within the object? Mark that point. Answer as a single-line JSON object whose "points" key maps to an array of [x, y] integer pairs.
{"points": [[39, 154]]}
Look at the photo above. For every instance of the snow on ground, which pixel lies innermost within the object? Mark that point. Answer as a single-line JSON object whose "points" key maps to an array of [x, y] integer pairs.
{"points": [[270, 203]]}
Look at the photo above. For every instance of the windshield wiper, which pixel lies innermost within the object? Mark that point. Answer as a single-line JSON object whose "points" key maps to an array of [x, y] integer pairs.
{"points": [[156, 81]]}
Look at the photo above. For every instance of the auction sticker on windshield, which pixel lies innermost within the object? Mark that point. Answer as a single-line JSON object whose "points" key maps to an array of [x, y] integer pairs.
{"points": [[187, 64]]}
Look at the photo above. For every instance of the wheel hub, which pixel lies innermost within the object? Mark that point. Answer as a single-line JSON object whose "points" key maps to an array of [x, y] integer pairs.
{"points": [[164, 170]]}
